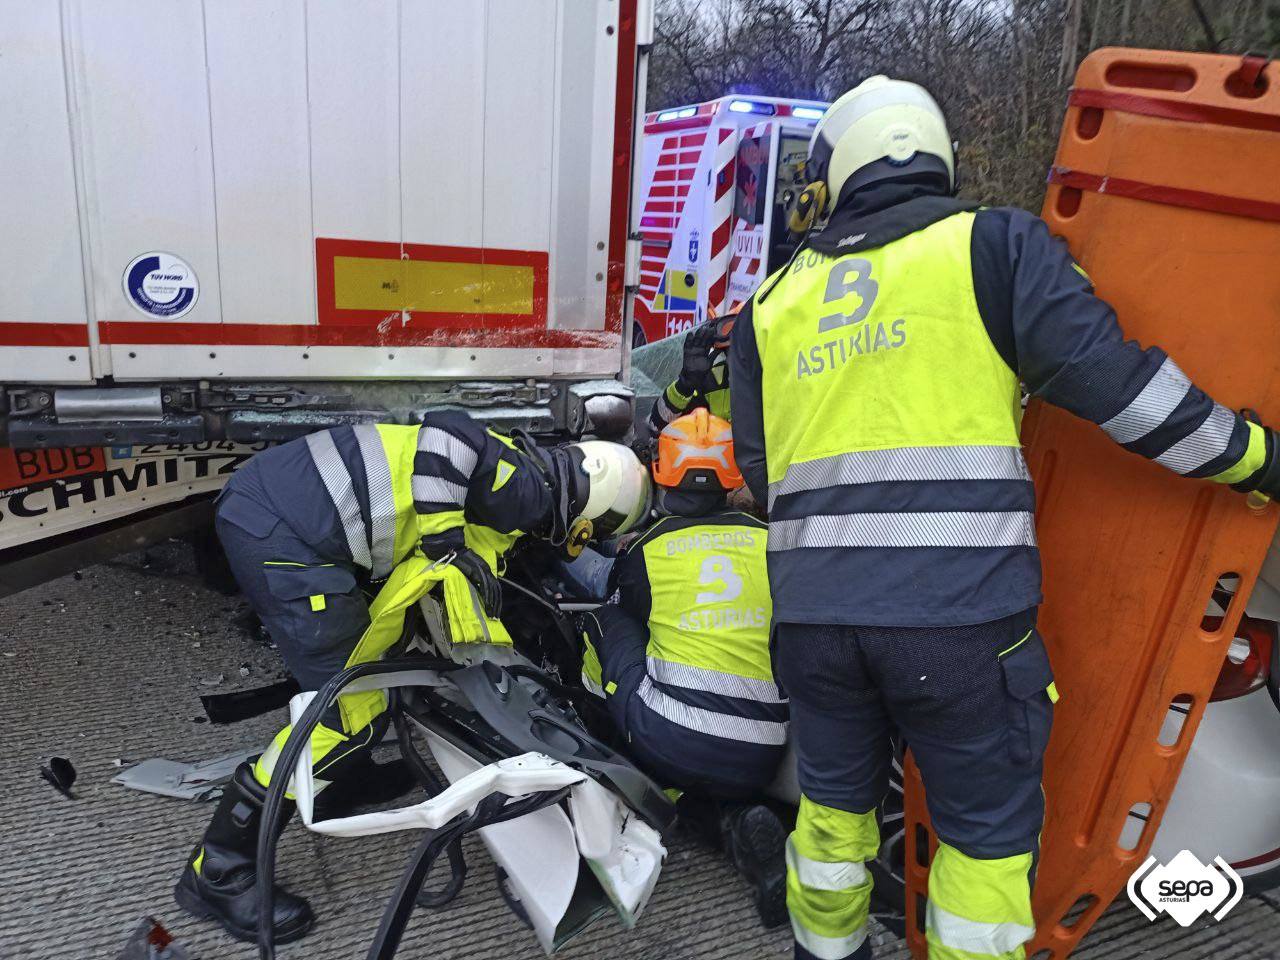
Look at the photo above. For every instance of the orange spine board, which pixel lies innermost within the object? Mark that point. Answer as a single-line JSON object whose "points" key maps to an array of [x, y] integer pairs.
{"points": [[1131, 552]]}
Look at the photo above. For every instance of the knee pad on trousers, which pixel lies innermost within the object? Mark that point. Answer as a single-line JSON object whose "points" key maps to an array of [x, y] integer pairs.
{"points": [[979, 908], [828, 886]]}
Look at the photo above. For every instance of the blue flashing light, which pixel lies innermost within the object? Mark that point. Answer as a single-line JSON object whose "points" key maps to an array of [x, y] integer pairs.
{"points": [[751, 106], [684, 112], [666, 115], [807, 113]]}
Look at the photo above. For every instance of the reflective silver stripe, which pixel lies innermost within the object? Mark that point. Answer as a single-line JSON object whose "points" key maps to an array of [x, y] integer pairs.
{"points": [[342, 491], [1000, 529], [713, 681], [827, 948], [664, 410], [478, 609], [817, 875], [437, 490], [592, 686], [445, 444], [1152, 406], [974, 936], [382, 500], [901, 464], [1207, 441], [744, 729]]}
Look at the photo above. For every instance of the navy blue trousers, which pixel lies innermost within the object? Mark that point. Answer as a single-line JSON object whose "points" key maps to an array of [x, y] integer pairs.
{"points": [[971, 702]]}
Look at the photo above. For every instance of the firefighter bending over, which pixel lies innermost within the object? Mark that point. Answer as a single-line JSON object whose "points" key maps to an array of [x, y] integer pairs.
{"points": [[683, 659], [307, 524]]}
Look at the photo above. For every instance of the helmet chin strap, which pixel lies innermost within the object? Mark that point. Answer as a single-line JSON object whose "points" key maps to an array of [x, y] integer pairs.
{"points": [[556, 467], [561, 475]]}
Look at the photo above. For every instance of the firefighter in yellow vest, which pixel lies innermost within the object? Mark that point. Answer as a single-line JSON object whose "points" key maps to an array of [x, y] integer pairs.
{"points": [[703, 380], [876, 410], [683, 658], [307, 525]]}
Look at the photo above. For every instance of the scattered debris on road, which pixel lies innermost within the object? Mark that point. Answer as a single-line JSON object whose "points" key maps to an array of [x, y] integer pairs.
{"points": [[183, 781], [151, 941], [245, 704], [60, 773]]}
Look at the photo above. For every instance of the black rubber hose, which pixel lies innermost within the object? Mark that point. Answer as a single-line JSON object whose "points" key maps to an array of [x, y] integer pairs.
{"points": [[492, 809], [288, 760], [433, 785], [555, 611]]}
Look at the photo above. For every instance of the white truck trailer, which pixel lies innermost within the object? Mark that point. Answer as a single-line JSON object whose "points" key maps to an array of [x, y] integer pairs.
{"points": [[228, 224]]}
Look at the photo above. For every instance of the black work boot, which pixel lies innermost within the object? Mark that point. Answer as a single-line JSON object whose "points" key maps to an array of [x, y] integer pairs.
{"points": [[756, 841], [220, 879]]}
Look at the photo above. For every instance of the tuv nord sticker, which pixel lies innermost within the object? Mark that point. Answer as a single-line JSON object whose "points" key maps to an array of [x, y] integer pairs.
{"points": [[1185, 888], [161, 285]]}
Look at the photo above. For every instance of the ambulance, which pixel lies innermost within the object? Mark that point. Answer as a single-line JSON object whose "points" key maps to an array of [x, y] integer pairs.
{"points": [[717, 181]]}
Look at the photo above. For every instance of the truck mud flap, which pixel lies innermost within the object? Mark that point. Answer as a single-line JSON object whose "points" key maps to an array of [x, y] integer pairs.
{"points": [[1164, 186]]}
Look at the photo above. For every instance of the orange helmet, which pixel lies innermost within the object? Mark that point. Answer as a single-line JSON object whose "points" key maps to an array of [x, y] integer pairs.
{"points": [[695, 452]]}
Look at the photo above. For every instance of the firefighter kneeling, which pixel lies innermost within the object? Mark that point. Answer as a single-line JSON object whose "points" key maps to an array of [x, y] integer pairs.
{"points": [[683, 658]]}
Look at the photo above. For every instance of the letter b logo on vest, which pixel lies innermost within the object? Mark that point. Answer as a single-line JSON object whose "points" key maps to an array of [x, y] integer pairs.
{"points": [[1185, 888], [852, 276]]}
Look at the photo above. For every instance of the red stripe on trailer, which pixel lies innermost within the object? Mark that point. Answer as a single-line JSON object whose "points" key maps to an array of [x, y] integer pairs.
{"points": [[658, 222], [23, 334], [689, 156], [692, 139], [660, 206], [150, 333], [624, 122]]}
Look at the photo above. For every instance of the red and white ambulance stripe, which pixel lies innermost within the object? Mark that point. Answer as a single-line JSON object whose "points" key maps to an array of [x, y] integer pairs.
{"points": [[751, 266], [673, 175], [724, 164]]}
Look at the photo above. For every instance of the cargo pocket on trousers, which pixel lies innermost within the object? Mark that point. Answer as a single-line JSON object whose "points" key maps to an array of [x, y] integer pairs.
{"points": [[325, 608], [1028, 681], [250, 516]]}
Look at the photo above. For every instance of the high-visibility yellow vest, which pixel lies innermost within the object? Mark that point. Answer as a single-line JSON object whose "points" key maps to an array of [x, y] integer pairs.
{"points": [[898, 493], [709, 585], [859, 357]]}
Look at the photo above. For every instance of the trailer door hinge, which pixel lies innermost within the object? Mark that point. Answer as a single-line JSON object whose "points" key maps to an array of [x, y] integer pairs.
{"points": [[644, 24], [631, 272]]}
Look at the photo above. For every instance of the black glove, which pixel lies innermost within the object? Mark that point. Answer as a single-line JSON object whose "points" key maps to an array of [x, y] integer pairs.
{"points": [[440, 545], [483, 579], [1266, 479], [696, 368]]}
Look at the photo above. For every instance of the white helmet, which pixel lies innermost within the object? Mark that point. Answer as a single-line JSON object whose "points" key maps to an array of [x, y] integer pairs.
{"points": [[602, 490], [877, 131]]}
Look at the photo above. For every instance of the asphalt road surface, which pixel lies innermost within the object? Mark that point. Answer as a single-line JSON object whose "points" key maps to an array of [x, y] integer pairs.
{"points": [[106, 668]]}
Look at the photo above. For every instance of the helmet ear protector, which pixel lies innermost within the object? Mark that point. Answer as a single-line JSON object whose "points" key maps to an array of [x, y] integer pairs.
{"points": [[811, 202], [580, 534]]}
